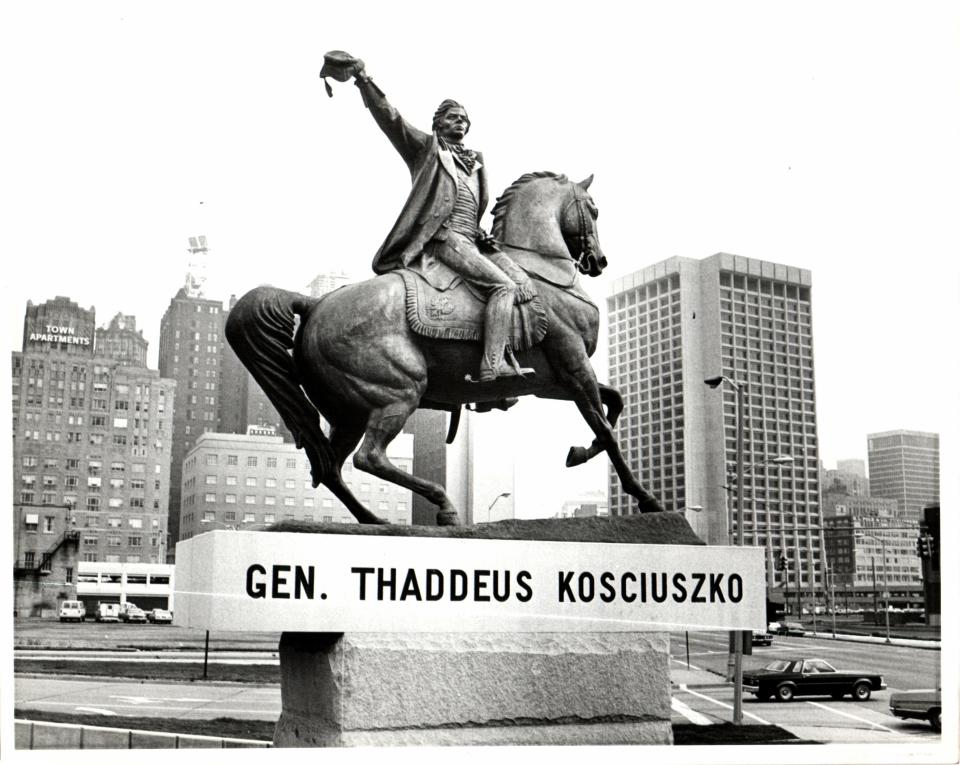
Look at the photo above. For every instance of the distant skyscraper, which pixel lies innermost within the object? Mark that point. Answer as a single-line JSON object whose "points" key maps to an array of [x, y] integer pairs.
{"points": [[324, 283], [905, 465], [122, 341], [680, 321], [191, 352], [853, 466]]}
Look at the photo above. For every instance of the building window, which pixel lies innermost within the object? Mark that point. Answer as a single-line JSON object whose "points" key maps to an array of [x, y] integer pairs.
{"points": [[290, 483], [270, 483], [292, 463], [251, 461], [271, 462], [211, 459], [249, 518], [68, 575], [31, 521], [232, 459], [211, 480], [209, 515], [28, 559], [289, 501], [251, 481], [270, 500], [135, 541], [230, 499], [250, 499], [269, 518]]}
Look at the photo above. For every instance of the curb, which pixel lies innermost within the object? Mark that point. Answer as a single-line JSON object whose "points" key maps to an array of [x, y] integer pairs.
{"points": [[925, 645], [144, 681]]}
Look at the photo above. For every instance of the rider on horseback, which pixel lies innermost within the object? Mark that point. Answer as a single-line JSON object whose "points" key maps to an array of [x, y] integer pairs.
{"points": [[438, 231]]}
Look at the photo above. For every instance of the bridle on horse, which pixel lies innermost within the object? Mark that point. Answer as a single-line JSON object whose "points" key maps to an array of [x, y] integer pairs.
{"points": [[587, 260]]}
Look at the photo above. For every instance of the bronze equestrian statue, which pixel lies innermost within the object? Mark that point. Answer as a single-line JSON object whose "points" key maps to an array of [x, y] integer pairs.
{"points": [[367, 355]]}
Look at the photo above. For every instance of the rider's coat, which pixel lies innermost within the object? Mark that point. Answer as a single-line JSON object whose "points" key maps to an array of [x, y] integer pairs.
{"points": [[427, 209]]}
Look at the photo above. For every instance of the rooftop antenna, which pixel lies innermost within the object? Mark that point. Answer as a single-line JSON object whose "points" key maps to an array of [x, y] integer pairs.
{"points": [[196, 266]]}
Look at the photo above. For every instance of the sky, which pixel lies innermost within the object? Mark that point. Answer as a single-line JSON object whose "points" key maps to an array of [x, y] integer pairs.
{"points": [[817, 135]]}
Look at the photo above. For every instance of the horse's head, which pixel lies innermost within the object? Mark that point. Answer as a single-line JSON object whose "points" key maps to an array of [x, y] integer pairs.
{"points": [[578, 224], [544, 218]]}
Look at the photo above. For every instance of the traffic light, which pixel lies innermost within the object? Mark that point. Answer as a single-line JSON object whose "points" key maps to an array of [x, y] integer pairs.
{"points": [[925, 546], [781, 561]]}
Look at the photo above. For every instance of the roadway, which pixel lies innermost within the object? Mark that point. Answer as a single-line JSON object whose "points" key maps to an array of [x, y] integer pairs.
{"points": [[707, 699], [700, 696]]}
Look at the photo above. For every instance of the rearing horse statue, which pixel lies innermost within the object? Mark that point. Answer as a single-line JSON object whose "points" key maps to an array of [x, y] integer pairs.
{"points": [[355, 360]]}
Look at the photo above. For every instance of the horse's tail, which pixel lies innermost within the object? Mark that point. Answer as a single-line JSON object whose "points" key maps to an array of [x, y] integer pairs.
{"points": [[260, 329]]}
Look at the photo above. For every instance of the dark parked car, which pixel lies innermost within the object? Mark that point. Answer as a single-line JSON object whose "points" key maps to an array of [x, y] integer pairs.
{"points": [[790, 628], [786, 678], [917, 705], [761, 638]]}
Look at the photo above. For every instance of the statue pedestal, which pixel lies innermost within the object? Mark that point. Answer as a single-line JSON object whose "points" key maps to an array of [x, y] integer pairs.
{"points": [[392, 689], [517, 632]]}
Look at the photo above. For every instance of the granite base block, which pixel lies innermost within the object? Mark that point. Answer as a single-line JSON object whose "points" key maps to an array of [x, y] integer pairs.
{"points": [[368, 689]]}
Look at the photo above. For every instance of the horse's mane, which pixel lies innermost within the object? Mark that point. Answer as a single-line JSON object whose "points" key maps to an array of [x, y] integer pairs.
{"points": [[503, 201]]}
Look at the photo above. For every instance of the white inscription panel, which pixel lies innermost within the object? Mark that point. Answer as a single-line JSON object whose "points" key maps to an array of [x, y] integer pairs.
{"points": [[238, 580]]}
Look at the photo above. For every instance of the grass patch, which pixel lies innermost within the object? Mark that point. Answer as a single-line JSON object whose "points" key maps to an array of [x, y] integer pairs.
{"points": [[732, 735], [236, 673], [225, 727]]}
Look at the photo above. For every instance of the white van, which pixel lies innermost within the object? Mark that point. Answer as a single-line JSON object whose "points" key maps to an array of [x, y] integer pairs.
{"points": [[108, 612], [72, 611]]}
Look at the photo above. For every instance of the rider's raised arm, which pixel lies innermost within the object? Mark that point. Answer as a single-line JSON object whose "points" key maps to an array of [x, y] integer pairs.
{"points": [[406, 139]]}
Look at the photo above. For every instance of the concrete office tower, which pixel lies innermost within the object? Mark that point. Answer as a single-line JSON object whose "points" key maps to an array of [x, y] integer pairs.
{"points": [[122, 341], [191, 353], [91, 446], [235, 482], [905, 465], [680, 321]]}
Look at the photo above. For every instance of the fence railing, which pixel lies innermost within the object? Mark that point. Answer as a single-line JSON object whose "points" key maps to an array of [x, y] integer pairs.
{"points": [[31, 734]]}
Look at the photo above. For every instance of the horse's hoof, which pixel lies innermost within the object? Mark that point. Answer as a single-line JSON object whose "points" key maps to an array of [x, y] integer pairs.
{"points": [[576, 456], [448, 518]]}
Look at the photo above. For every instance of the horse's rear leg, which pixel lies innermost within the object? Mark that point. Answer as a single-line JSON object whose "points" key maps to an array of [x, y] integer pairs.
{"points": [[344, 437], [613, 401], [382, 427]]}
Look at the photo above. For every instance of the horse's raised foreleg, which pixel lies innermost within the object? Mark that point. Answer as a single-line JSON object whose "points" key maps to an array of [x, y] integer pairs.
{"points": [[613, 401], [578, 377], [383, 426]]}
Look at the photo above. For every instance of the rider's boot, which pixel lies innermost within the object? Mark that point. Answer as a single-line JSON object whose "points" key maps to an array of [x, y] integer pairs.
{"points": [[496, 333]]}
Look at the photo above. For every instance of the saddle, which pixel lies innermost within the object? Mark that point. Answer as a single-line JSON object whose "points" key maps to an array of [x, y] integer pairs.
{"points": [[457, 313]]}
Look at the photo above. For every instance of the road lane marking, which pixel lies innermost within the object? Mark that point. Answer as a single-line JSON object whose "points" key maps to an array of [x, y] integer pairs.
{"points": [[681, 661], [683, 687], [852, 717], [691, 714], [97, 710]]}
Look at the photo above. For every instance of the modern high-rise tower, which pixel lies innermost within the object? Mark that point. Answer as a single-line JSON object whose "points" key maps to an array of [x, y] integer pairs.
{"points": [[681, 321], [905, 466]]}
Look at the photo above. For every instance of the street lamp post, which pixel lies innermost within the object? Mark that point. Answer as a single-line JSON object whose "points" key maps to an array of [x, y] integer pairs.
{"points": [[715, 382], [886, 584], [501, 495]]}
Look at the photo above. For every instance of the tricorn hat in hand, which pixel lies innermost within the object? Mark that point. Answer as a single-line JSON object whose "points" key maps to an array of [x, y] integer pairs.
{"points": [[339, 65]]}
